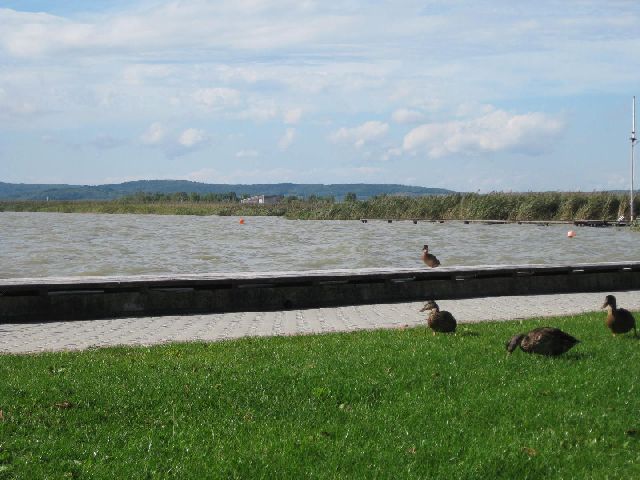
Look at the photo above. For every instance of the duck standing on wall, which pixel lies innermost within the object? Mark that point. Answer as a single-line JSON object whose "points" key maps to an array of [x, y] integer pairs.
{"points": [[429, 259], [543, 341], [619, 320], [439, 321]]}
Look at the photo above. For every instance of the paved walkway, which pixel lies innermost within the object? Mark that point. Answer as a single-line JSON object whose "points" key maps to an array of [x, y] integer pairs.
{"points": [[76, 335]]}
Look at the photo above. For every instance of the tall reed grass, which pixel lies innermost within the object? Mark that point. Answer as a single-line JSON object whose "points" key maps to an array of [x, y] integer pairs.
{"points": [[468, 206], [472, 206]]}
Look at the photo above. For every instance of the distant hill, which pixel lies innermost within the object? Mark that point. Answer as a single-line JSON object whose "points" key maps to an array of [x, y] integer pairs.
{"points": [[22, 191]]}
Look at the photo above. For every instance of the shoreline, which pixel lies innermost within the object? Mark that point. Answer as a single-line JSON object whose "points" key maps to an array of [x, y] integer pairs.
{"points": [[595, 209]]}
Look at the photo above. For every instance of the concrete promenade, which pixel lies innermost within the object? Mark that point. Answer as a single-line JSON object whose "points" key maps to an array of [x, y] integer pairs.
{"points": [[77, 335]]}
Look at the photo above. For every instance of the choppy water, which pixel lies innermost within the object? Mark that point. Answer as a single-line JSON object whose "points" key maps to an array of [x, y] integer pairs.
{"points": [[59, 244]]}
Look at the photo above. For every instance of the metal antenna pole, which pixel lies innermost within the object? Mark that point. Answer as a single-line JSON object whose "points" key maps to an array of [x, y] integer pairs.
{"points": [[633, 141]]}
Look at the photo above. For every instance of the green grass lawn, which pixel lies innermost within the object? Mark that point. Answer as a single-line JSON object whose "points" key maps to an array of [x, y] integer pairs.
{"points": [[376, 404]]}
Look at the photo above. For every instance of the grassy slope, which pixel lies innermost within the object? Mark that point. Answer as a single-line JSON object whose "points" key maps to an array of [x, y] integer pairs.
{"points": [[382, 404]]}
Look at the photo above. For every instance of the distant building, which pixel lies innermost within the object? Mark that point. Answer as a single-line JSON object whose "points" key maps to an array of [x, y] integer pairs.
{"points": [[263, 199]]}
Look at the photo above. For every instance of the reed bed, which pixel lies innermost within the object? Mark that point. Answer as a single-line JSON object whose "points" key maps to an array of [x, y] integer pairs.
{"points": [[550, 206]]}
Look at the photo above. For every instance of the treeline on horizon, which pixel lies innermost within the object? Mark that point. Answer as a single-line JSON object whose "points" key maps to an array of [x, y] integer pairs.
{"points": [[460, 206], [19, 191]]}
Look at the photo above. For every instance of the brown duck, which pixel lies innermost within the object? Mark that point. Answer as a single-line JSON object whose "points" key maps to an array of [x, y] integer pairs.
{"points": [[543, 341], [429, 259], [619, 320], [439, 321]]}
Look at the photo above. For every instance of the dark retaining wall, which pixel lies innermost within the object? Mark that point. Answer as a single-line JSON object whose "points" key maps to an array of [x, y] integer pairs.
{"points": [[48, 299]]}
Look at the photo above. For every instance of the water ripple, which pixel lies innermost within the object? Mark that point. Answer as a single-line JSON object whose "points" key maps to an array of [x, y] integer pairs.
{"points": [[63, 244]]}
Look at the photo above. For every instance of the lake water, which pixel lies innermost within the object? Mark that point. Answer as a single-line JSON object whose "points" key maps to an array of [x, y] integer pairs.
{"points": [[69, 244]]}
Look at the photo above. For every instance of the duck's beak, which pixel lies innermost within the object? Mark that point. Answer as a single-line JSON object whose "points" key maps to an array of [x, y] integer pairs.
{"points": [[605, 305]]}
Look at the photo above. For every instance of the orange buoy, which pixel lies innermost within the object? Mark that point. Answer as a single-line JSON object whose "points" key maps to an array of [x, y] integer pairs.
{"points": [[571, 234], [242, 221]]}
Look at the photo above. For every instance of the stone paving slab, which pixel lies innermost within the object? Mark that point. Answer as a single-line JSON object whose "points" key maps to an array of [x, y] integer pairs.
{"points": [[77, 335]]}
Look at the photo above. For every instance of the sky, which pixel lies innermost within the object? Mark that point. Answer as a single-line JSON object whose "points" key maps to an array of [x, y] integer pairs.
{"points": [[466, 95]]}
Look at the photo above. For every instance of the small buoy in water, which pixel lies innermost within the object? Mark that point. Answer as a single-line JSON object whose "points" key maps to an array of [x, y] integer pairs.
{"points": [[242, 221], [571, 234]]}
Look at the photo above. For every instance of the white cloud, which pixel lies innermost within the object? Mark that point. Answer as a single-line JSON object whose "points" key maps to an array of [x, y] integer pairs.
{"points": [[188, 141], [118, 68], [25, 34], [404, 115], [174, 144], [235, 74], [362, 134], [171, 25], [191, 137], [15, 107], [529, 133], [106, 142], [259, 112], [247, 153], [217, 98], [292, 116], [136, 74], [470, 109], [218, 53], [392, 152], [287, 139], [154, 135]]}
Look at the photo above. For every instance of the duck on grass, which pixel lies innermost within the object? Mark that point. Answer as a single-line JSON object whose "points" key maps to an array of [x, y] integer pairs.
{"points": [[384, 404]]}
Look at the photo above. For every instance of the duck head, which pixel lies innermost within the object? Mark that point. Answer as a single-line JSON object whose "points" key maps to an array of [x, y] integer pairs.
{"points": [[430, 305], [514, 342], [425, 249], [609, 301]]}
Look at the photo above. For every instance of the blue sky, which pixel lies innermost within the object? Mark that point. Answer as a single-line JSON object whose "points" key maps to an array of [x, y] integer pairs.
{"points": [[457, 94]]}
